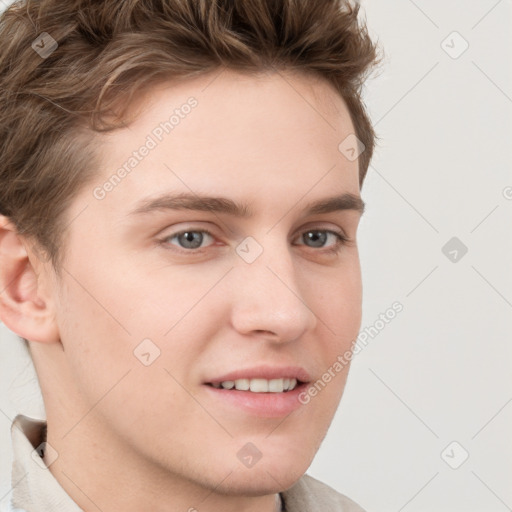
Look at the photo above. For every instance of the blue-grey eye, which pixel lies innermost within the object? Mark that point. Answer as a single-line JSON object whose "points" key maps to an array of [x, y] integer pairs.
{"points": [[317, 237], [190, 239]]}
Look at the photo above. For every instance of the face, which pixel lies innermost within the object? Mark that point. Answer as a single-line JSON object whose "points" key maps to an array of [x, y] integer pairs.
{"points": [[165, 294]]}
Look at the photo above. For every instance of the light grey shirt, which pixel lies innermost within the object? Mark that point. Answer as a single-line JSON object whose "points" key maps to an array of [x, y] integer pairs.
{"points": [[35, 489]]}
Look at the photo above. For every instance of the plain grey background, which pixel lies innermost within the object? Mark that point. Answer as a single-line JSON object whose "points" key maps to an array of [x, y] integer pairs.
{"points": [[425, 421]]}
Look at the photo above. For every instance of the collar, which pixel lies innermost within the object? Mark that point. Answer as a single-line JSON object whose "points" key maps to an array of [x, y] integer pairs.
{"points": [[35, 489]]}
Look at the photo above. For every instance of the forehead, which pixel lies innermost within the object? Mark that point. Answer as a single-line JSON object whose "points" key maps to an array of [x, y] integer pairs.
{"points": [[224, 87], [245, 133]]}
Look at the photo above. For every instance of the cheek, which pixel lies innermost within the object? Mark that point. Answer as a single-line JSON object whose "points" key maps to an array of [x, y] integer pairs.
{"points": [[109, 369], [97, 347], [97, 327], [340, 304], [108, 325]]}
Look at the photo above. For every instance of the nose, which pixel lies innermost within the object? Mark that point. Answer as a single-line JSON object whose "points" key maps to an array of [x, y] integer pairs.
{"points": [[268, 299]]}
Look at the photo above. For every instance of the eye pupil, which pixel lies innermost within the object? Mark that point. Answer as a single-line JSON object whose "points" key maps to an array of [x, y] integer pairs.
{"points": [[317, 237], [189, 236]]}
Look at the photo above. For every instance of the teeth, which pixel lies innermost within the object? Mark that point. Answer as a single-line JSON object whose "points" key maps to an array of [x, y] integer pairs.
{"points": [[258, 385], [242, 384], [275, 385]]}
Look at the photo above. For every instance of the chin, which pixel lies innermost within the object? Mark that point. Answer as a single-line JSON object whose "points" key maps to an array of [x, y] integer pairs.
{"points": [[282, 462], [259, 482]]}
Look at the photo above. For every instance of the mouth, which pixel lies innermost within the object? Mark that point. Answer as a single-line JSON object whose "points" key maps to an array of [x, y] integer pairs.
{"points": [[280, 385], [263, 391]]}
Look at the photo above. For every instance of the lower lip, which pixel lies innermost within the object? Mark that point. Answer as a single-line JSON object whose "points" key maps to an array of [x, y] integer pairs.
{"points": [[268, 405]]}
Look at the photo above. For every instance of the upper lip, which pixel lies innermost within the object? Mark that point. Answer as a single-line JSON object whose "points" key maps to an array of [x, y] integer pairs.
{"points": [[265, 372]]}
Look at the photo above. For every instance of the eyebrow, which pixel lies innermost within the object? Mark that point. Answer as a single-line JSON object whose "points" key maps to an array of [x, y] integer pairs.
{"points": [[186, 201]]}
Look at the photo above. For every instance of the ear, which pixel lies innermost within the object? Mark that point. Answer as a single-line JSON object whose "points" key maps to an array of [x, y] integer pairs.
{"points": [[26, 305]]}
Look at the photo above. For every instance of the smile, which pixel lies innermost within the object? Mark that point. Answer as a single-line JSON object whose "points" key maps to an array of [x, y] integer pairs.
{"points": [[258, 385]]}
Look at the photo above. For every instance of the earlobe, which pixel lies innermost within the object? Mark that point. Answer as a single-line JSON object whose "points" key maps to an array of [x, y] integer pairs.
{"points": [[25, 306]]}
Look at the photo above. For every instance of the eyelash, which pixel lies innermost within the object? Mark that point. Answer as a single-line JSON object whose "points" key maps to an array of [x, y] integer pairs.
{"points": [[341, 242]]}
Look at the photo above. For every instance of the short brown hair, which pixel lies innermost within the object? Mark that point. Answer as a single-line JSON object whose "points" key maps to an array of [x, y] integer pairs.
{"points": [[52, 107]]}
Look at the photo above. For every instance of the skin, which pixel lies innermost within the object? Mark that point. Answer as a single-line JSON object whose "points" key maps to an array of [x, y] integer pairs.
{"points": [[153, 432]]}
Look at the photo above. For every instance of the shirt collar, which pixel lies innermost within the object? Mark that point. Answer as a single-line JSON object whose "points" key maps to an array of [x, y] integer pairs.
{"points": [[35, 489]]}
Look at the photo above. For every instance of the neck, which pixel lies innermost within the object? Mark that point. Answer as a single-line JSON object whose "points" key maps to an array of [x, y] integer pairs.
{"points": [[92, 466]]}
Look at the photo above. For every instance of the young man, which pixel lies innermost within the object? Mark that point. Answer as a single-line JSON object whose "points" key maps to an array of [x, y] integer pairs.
{"points": [[179, 198]]}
